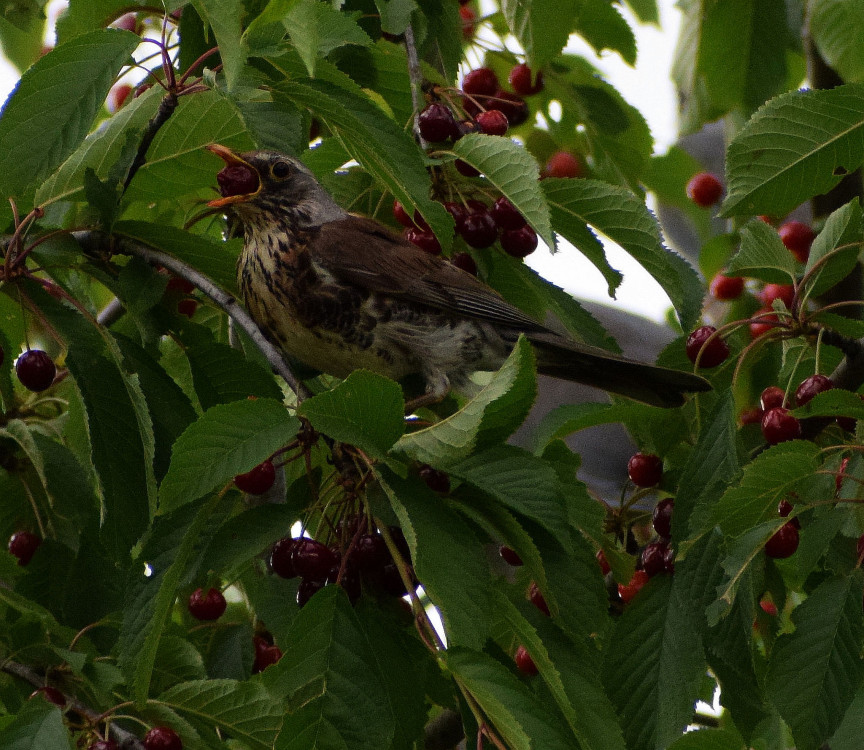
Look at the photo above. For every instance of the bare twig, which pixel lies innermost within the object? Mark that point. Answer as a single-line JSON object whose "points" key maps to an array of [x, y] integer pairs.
{"points": [[416, 76]]}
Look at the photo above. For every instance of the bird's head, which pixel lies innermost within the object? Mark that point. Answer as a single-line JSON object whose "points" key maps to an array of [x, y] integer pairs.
{"points": [[267, 185]]}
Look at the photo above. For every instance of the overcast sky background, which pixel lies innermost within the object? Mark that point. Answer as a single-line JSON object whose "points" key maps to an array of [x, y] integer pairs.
{"points": [[648, 87]]}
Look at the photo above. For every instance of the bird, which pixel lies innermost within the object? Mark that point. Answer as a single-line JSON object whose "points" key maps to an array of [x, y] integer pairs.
{"points": [[341, 292]]}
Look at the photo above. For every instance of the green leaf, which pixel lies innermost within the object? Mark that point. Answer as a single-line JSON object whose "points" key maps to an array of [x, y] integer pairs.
{"points": [[542, 27], [570, 418], [365, 409], [762, 255], [517, 715], [441, 44], [449, 560], [653, 666], [54, 104], [645, 10], [395, 14], [601, 25], [331, 679], [377, 142], [512, 170], [37, 726], [490, 417], [828, 630], [223, 16], [624, 218], [798, 145], [316, 29], [81, 17], [227, 440], [177, 660], [833, 403], [842, 230], [836, 26], [244, 711], [709, 739]]}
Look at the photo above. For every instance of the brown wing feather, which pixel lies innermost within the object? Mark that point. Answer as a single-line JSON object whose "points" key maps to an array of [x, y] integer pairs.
{"points": [[386, 263]]}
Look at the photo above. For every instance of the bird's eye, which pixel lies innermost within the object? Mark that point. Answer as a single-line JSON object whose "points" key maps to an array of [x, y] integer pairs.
{"points": [[280, 170]]}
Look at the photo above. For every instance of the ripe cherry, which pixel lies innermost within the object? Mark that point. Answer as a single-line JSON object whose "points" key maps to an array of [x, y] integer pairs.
{"points": [[266, 654], [704, 189], [281, 558], [457, 211], [645, 469], [513, 106], [23, 544], [537, 598], [258, 480], [207, 606], [783, 542], [811, 386], [492, 122], [426, 241], [50, 694], [465, 262], [176, 284], [798, 237], [468, 22], [479, 230], [629, 590], [768, 607], [480, 82], [603, 562], [521, 80], [726, 288], [437, 124], [437, 481], [312, 560], [784, 508], [524, 662], [510, 556], [662, 517], [783, 292], [562, 164], [370, 552], [506, 215], [715, 352], [307, 589], [778, 425], [766, 322], [519, 242], [36, 370], [465, 169], [401, 215], [751, 416], [162, 738], [654, 557], [772, 397], [237, 179], [127, 22], [187, 307]]}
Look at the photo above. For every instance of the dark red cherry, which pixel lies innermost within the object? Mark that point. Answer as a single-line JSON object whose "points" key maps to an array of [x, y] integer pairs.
{"points": [[36, 370], [207, 605], [23, 545], [811, 386], [704, 189], [437, 481], [479, 230], [603, 562], [426, 241], [712, 354], [653, 557], [370, 552], [778, 426], [307, 589], [465, 169], [258, 480], [506, 215], [784, 542], [492, 122], [237, 179], [50, 694], [480, 82], [465, 262], [513, 106], [645, 469], [524, 82], [437, 123], [510, 556], [726, 288], [312, 560], [281, 558], [772, 397], [537, 598], [662, 517], [519, 243], [524, 662], [162, 738]]}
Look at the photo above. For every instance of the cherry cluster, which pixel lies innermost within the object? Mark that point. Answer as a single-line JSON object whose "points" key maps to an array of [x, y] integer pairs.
{"points": [[318, 565]]}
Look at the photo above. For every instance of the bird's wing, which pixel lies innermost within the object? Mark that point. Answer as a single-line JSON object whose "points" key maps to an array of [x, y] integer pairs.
{"points": [[384, 262]]}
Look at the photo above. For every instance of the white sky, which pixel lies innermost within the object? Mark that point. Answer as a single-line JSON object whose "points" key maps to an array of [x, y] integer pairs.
{"points": [[648, 87]]}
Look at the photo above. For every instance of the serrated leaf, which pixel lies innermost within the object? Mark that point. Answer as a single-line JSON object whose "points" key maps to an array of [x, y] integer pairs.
{"points": [[832, 403], [653, 664], [542, 27], [395, 14], [244, 711], [603, 27], [836, 26], [331, 680], [828, 630], [517, 715], [177, 660], [449, 560], [365, 409], [624, 218], [224, 16], [709, 739], [842, 230], [218, 260], [38, 725], [569, 418], [492, 415], [798, 145], [377, 142], [441, 44], [53, 106], [762, 255], [316, 29], [227, 440]]}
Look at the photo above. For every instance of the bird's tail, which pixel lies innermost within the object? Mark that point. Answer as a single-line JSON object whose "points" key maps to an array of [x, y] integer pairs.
{"points": [[659, 386]]}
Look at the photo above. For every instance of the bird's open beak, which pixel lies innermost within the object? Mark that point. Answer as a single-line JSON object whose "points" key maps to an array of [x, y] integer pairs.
{"points": [[232, 159]]}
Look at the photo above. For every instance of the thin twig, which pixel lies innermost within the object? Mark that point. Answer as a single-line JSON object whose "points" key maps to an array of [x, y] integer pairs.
{"points": [[416, 76]]}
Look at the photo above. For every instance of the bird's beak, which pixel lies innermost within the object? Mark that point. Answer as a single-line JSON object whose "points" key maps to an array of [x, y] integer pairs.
{"points": [[231, 159]]}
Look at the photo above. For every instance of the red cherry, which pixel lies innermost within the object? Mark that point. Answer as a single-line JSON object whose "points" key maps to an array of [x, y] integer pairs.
{"points": [[479, 230], [765, 322], [23, 544], [506, 215], [465, 262], [629, 590], [457, 211], [258, 480], [798, 237], [207, 606], [562, 164], [437, 481], [521, 80], [519, 242], [370, 552], [524, 662], [653, 557], [645, 469], [751, 416], [401, 215], [437, 124], [117, 96], [713, 353], [784, 508], [783, 292], [783, 543], [265, 654], [465, 169], [811, 386], [513, 106], [726, 288], [704, 189], [603, 562], [127, 22], [35, 370], [312, 560], [187, 307], [307, 589], [237, 179], [778, 426], [537, 598], [162, 738], [510, 556], [772, 397], [426, 241], [281, 562], [50, 694], [480, 82], [768, 607], [468, 22], [492, 122], [176, 284], [662, 517]]}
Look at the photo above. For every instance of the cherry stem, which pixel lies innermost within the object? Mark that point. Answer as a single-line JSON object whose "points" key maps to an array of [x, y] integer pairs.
{"points": [[195, 64]]}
